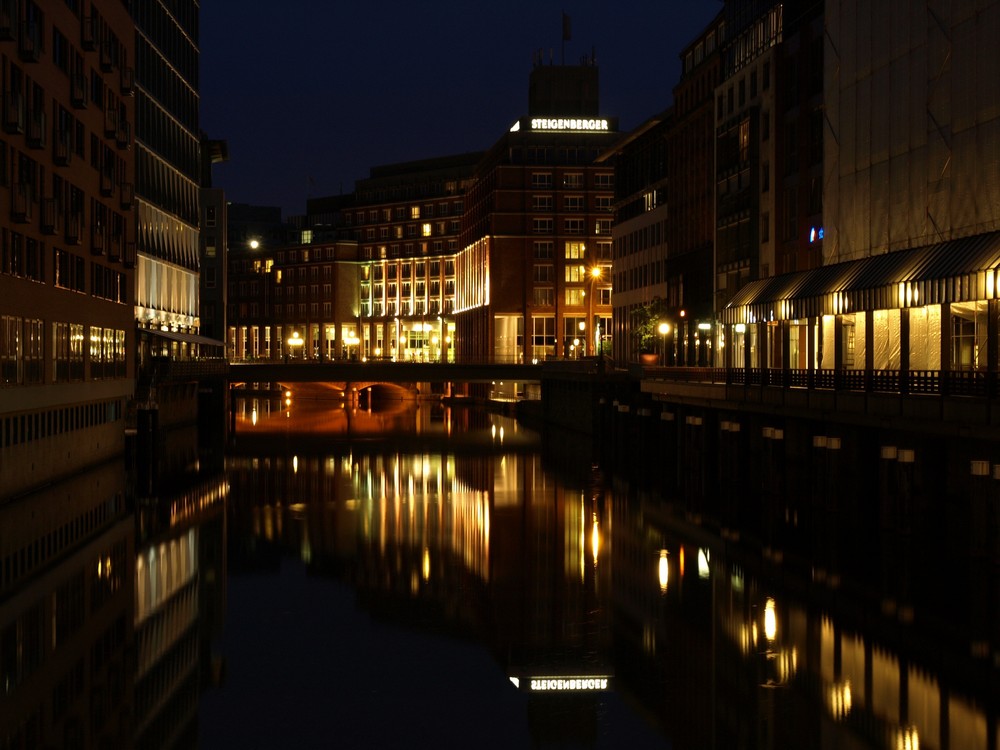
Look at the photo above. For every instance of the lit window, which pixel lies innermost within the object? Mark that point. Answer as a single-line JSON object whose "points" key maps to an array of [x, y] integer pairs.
{"points": [[426, 230]]}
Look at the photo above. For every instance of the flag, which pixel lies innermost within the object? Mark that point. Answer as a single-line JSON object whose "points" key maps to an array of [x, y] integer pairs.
{"points": [[567, 31]]}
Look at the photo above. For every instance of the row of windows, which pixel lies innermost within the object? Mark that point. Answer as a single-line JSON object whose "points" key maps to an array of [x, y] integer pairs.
{"points": [[641, 276], [571, 203], [22, 352], [573, 250], [727, 103], [403, 213], [24, 428], [427, 229], [574, 273], [570, 226], [602, 180], [418, 268], [545, 296], [378, 309], [370, 252]]}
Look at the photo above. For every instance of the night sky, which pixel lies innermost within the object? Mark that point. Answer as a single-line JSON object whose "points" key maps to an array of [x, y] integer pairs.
{"points": [[310, 94]]}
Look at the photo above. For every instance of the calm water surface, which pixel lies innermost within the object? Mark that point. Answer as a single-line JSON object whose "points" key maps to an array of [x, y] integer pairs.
{"points": [[432, 578], [443, 577]]}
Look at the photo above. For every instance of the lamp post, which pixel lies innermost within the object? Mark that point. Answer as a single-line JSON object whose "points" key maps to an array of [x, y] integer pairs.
{"points": [[294, 342], [595, 274], [664, 329]]}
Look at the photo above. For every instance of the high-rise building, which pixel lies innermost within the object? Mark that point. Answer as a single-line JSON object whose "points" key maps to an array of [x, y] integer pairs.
{"points": [[67, 243], [67, 256], [168, 171]]}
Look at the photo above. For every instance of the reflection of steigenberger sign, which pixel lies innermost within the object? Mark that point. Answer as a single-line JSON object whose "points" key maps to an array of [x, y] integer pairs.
{"points": [[569, 123], [569, 683]]}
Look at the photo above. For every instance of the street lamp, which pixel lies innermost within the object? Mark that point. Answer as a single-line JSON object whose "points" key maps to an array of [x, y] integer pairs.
{"points": [[294, 342], [595, 274], [664, 329]]}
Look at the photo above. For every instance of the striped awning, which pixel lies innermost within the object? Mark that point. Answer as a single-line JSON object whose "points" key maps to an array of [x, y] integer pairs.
{"points": [[961, 270]]}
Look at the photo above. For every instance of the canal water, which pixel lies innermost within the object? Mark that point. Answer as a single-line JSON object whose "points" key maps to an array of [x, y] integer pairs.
{"points": [[444, 576], [434, 575]]}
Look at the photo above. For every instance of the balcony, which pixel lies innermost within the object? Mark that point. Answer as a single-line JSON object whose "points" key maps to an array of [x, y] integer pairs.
{"points": [[13, 113], [115, 247], [126, 82], [107, 59], [49, 215], [88, 33], [29, 42], [127, 195], [110, 122], [7, 20], [78, 90], [123, 134], [74, 227], [21, 203], [62, 153], [107, 184], [36, 130], [97, 239]]}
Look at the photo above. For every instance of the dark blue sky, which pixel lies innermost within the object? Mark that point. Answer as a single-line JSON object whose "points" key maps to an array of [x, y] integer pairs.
{"points": [[309, 94]]}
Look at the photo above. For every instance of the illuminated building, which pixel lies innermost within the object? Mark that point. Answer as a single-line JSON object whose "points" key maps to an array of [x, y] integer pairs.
{"points": [[907, 292], [67, 246], [168, 170], [537, 225], [406, 219]]}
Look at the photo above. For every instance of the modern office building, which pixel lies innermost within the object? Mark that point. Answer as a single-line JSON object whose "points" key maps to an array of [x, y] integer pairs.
{"points": [[406, 219], [67, 244], [67, 257], [533, 272], [168, 172]]}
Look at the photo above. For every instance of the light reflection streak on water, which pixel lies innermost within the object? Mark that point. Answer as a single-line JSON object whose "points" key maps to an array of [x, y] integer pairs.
{"points": [[454, 518]]}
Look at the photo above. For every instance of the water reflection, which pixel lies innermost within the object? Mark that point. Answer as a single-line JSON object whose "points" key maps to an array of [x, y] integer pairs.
{"points": [[612, 616]]}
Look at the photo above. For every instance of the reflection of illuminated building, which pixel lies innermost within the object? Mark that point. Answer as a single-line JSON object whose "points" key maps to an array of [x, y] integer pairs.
{"points": [[65, 617], [420, 505], [716, 658], [179, 593]]}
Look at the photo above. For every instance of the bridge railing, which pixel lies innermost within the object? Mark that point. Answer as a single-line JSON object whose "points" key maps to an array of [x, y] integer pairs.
{"points": [[976, 383]]}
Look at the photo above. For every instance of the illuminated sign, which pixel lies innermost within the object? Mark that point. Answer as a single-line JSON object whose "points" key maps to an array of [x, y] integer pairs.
{"points": [[568, 684], [569, 123], [815, 233]]}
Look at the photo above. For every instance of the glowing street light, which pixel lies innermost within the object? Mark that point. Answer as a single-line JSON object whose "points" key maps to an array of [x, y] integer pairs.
{"points": [[664, 329], [295, 341], [595, 274]]}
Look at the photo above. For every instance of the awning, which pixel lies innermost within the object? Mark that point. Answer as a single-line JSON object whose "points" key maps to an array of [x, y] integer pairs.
{"points": [[945, 272]]}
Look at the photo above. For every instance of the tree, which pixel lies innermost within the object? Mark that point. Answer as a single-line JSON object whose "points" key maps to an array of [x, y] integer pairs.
{"points": [[645, 324]]}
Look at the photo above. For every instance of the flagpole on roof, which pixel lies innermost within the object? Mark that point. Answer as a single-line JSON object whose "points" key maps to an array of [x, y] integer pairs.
{"points": [[566, 34]]}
